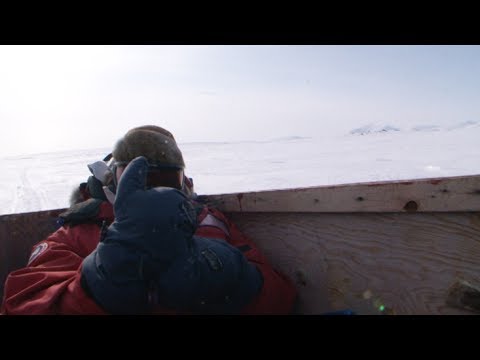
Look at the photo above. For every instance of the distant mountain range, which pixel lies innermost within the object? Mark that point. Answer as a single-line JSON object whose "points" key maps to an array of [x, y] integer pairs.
{"points": [[375, 128]]}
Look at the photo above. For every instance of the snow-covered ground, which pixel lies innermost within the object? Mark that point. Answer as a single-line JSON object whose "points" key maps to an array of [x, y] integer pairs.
{"points": [[372, 152]]}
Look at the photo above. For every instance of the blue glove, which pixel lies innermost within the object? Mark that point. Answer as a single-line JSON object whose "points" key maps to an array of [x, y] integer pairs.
{"points": [[152, 228]]}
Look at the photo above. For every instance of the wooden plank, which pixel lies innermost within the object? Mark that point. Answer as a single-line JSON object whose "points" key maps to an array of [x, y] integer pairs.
{"points": [[405, 262], [18, 233], [460, 193]]}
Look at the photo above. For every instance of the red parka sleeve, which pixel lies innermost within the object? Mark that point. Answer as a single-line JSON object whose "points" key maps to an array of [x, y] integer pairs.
{"points": [[50, 283], [278, 293]]}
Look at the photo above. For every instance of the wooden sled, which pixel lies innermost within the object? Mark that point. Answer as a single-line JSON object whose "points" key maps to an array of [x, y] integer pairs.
{"points": [[396, 247]]}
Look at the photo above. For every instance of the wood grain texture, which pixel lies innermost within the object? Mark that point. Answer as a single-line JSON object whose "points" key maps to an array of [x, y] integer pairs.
{"points": [[18, 233], [405, 262], [461, 193]]}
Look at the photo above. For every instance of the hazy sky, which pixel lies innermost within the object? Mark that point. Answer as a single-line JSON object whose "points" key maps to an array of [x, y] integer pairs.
{"points": [[73, 97]]}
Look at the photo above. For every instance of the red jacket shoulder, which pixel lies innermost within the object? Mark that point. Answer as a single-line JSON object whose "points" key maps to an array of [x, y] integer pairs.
{"points": [[50, 283]]}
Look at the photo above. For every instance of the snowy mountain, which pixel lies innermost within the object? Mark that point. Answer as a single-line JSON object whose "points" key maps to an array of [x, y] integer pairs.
{"points": [[374, 128], [378, 128], [465, 125], [426, 128]]}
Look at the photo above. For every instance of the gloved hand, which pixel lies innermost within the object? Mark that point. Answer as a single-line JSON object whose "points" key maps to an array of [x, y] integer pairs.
{"points": [[150, 256], [152, 228]]}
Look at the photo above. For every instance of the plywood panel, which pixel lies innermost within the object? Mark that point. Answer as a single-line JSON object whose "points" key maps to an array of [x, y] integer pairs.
{"points": [[405, 262]]}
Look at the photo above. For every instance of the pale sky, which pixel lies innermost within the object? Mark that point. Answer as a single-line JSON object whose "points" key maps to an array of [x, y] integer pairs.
{"points": [[55, 98]]}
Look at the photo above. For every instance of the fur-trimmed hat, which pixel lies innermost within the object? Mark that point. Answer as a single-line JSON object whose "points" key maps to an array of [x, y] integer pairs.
{"points": [[153, 142]]}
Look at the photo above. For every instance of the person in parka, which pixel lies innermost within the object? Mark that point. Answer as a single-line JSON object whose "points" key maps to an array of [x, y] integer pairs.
{"points": [[162, 253]]}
